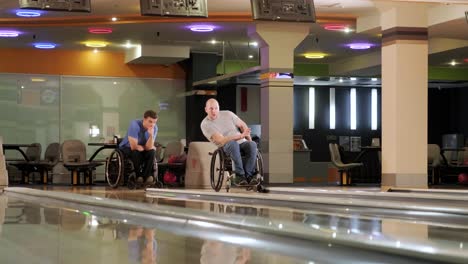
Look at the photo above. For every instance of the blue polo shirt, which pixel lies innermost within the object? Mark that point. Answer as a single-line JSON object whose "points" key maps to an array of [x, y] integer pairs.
{"points": [[136, 130]]}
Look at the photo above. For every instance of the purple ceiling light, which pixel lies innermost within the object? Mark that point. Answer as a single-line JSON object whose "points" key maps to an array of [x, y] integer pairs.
{"points": [[44, 45], [8, 34], [201, 28], [360, 46], [28, 13]]}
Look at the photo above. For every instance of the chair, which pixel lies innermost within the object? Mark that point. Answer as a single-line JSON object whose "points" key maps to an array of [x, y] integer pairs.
{"points": [[74, 159], [33, 153], [433, 162], [343, 168], [51, 158]]}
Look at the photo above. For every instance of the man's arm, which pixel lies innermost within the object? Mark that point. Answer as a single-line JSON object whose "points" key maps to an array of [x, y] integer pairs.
{"points": [[221, 140], [150, 142], [134, 144], [244, 128]]}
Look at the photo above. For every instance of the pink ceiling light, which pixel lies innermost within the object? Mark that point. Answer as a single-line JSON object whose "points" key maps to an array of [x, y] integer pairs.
{"points": [[335, 27], [100, 30]]}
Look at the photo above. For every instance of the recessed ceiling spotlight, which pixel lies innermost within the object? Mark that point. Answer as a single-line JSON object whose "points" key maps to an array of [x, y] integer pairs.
{"points": [[250, 56], [335, 27], [28, 13], [213, 41], [453, 63], [114, 19], [128, 45], [8, 34], [254, 44], [360, 46], [347, 30], [201, 28], [100, 30], [95, 50], [44, 45], [315, 55]]}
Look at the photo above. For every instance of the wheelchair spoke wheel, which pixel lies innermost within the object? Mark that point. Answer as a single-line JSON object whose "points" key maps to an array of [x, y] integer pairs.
{"points": [[217, 170], [114, 168], [260, 163]]}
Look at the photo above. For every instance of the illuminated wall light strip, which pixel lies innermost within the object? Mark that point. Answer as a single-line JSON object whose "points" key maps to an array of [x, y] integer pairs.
{"points": [[311, 108], [352, 98], [332, 109], [374, 109]]}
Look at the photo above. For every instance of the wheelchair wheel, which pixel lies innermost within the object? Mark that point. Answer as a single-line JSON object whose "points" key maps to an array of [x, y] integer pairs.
{"points": [[260, 163], [217, 169], [114, 168]]}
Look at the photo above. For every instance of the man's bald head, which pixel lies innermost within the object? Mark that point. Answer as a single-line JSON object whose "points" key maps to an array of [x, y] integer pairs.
{"points": [[212, 108]]}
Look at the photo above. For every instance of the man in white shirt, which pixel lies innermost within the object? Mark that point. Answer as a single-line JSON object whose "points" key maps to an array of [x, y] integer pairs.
{"points": [[221, 128]]}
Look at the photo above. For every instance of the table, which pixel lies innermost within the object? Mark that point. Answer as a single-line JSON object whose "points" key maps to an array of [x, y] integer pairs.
{"points": [[18, 148], [102, 146], [369, 156]]}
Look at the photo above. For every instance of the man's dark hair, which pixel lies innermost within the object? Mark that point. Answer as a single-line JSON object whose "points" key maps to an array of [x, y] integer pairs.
{"points": [[150, 113]]}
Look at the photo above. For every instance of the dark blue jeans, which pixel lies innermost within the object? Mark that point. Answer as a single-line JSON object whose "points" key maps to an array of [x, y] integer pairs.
{"points": [[249, 150]]}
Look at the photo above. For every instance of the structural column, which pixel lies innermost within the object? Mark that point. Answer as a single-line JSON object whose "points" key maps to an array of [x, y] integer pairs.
{"points": [[277, 41], [404, 95]]}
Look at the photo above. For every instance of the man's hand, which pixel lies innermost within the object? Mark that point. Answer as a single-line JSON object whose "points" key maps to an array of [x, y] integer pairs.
{"points": [[151, 131], [140, 148], [246, 133]]}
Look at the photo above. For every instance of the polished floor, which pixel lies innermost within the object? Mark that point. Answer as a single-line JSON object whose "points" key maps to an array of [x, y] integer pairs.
{"points": [[288, 225]]}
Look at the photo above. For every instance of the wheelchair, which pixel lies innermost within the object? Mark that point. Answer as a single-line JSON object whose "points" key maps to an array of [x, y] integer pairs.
{"points": [[120, 171], [222, 163]]}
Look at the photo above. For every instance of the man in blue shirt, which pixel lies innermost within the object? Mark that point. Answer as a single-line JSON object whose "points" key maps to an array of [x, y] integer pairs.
{"points": [[138, 145]]}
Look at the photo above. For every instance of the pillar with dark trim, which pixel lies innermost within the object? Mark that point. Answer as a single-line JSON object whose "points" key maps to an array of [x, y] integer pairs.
{"points": [[404, 95]]}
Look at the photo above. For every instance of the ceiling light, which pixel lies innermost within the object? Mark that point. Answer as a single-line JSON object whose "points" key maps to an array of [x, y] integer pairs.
{"points": [[100, 30], [311, 79], [374, 79], [8, 34], [213, 41], [201, 28], [453, 63], [335, 27], [347, 30], [360, 46], [128, 45], [340, 80], [44, 45], [250, 56], [114, 19], [95, 50], [314, 55], [37, 80], [95, 44], [254, 44], [353, 79], [28, 13]]}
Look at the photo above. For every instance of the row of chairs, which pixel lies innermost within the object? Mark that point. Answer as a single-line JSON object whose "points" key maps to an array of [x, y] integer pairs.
{"points": [[73, 155]]}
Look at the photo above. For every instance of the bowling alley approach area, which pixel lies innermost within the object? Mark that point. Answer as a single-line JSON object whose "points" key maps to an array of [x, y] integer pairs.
{"points": [[233, 131]]}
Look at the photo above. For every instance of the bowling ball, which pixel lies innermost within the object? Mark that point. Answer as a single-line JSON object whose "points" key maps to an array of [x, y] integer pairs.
{"points": [[463, 178]]}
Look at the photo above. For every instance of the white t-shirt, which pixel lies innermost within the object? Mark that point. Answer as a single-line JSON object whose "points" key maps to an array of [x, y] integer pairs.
{"points": [[226, 124]]}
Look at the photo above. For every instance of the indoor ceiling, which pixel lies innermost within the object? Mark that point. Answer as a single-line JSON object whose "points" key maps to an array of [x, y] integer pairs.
{"points": [[232, 18]]}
